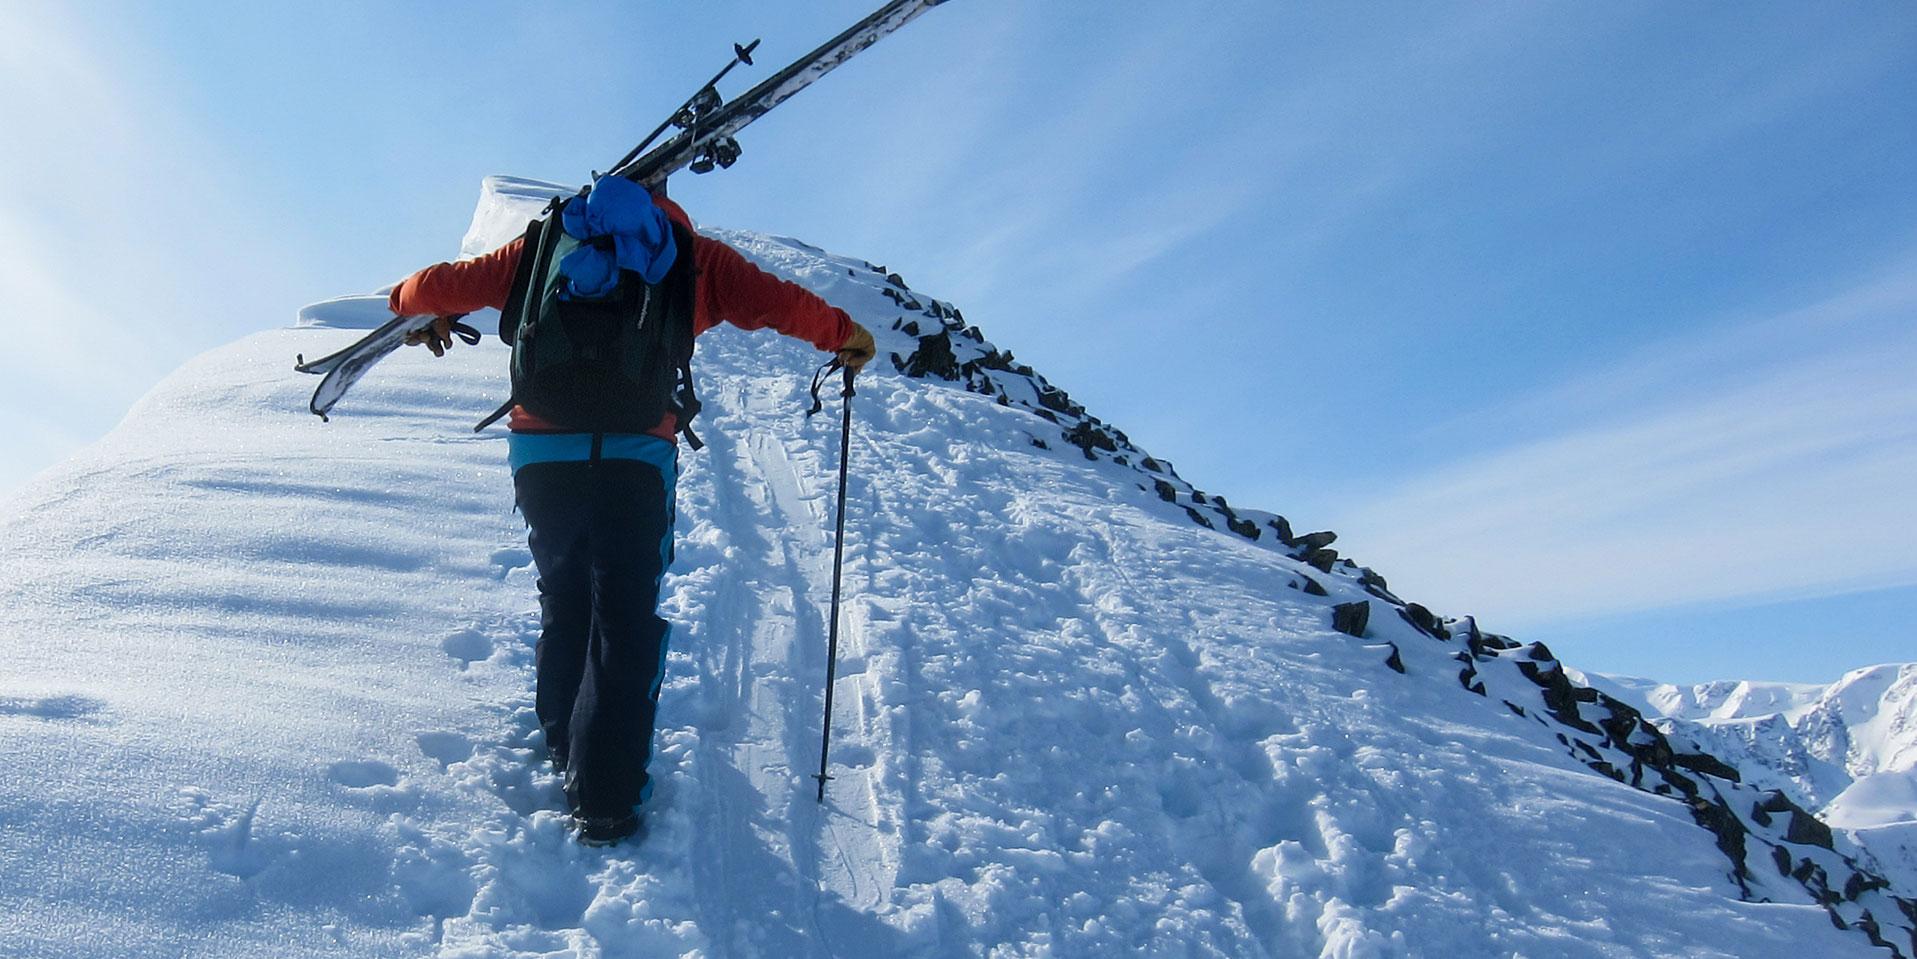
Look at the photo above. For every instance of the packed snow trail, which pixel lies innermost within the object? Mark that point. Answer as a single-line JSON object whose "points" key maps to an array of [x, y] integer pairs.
{"points": [[267, 692]]}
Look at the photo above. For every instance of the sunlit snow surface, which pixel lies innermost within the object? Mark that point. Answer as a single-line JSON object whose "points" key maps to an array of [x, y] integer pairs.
{"points": [[267, 693]]}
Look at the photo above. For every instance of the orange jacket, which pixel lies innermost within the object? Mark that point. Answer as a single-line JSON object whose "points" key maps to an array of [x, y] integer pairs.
{"points": [[730, 289]]}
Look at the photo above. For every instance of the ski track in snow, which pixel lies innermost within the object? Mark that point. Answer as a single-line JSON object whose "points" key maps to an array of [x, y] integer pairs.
{"points": [[289, 711]]}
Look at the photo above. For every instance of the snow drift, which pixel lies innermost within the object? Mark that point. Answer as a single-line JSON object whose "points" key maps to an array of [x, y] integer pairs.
{"points": [[268, 693]]}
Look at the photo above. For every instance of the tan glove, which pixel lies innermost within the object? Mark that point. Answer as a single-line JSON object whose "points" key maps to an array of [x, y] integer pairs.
{"points": [[438, 337], [858, 349]]}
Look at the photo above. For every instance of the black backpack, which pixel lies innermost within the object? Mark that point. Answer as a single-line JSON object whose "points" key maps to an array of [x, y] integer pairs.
{"points": [[615, 364]]}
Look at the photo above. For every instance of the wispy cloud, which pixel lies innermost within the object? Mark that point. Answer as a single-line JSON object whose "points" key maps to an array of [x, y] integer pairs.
{"points": [[127, 234], [1773, 459]]}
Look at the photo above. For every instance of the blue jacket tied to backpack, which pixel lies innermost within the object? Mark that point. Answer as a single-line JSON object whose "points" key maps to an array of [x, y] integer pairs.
{"points": [[640, 236]]}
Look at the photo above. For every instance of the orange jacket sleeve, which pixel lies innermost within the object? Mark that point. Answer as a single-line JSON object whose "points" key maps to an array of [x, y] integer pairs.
{"points": [[732, 290], [462, 287]]}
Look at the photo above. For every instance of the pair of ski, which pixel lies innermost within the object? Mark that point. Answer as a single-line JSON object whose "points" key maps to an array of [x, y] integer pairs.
{"points": [[707, 125]]}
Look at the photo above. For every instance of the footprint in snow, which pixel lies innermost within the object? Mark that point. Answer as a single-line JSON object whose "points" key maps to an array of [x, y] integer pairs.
{"points": [[227, 832], [363, 774], [445, 748], [468, 646], [510, 558], [69, 707]]}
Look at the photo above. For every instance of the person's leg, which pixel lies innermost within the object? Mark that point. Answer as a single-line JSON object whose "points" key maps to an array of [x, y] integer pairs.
{"points": [[556, 500], [612, 721]]}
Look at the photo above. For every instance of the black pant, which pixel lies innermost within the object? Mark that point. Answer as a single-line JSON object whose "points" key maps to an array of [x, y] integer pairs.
{"points": [[601, 536]]}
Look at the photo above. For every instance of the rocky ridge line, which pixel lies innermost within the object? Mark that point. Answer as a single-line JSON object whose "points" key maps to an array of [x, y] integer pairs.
{"points": [[1778, 851]]}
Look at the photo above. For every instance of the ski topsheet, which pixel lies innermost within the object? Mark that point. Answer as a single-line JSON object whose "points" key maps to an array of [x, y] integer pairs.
{"points": [[709, 135]]}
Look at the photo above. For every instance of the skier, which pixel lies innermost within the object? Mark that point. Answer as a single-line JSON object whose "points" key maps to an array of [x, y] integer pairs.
{"points": [[599, 502]]}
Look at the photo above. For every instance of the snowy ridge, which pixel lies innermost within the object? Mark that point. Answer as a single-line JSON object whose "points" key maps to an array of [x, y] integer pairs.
{"points": [[269, 685], [1778, 850]]}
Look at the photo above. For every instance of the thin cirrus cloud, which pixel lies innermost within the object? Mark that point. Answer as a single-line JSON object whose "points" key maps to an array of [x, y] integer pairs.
{"points": [[1773, 460]]}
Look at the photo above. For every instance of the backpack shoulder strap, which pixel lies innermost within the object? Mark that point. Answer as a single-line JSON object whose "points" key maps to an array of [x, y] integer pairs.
{"points": [[518, 294], [682, 286]]}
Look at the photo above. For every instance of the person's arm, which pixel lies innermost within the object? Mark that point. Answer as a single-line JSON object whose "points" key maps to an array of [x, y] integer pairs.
{"points": [[736, 292], [451, 289]]}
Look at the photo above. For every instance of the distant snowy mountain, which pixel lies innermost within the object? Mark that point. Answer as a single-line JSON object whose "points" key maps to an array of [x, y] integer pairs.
{"points": [[1822, 740], [1847, 750], [267, 692]]}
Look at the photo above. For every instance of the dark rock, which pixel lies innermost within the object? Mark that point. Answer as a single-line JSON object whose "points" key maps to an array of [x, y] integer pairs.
{"points": [[1858, 884], [1351, 618], [911, 329], [1166, 491], [1782, 858], [934, 357], [1422, 620], [1375, 585], [1087, 437], [1054, 399], [1870, 928], [1514, 707], [1198, 517], [1808, 830], [1282, 527], [1393, 660], [1149, 464], [896, 280], [1320, 558], [1706, 764], [1198, 496], [1243, 527], [1560, 698], [1468, 678], [1041, 444], [1724, 824], [1540, 652], [1318, 540], [1311, 586]]}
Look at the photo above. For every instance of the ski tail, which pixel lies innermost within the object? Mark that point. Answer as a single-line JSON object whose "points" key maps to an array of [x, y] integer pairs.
{"points": [[710, 139]]}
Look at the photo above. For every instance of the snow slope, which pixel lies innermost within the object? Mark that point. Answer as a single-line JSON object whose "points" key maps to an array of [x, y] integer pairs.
{"points": [[267, 692]]}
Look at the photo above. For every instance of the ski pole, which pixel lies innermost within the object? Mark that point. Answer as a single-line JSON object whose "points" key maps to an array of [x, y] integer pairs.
{"points": [[696, 105], [838, 563]]}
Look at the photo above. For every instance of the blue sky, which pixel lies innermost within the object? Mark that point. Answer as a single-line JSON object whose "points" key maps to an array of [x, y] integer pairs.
{"points": [[1593, 320]]}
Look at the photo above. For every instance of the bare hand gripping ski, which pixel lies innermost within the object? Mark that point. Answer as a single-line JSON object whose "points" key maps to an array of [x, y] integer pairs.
{"points": [[707, 126]]}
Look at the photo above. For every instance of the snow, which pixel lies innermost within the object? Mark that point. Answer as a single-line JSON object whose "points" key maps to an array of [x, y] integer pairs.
{"points": [[268, 693]]}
